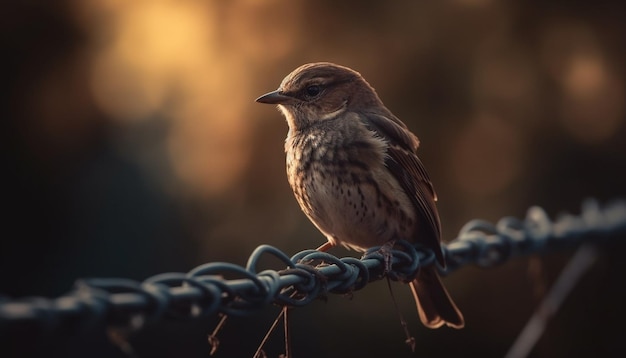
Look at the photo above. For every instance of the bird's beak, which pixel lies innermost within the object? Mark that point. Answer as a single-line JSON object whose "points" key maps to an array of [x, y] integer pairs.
{"points": [[274, 97]]}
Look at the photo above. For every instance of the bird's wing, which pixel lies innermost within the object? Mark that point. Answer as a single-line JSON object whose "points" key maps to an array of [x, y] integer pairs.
{"points": [[406, 167]]}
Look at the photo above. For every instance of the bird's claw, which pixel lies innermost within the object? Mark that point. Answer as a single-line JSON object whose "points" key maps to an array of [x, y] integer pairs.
{"points": [[385, 251]]}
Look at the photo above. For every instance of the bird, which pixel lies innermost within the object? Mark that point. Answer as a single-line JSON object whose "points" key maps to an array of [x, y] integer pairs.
{"points": [[354, 171]]}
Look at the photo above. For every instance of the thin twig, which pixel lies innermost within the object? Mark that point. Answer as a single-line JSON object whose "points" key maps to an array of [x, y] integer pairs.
{"points": [[410, 340], [282, 313], [580, 263], [287, 336], [213, 340], [120, 339]]}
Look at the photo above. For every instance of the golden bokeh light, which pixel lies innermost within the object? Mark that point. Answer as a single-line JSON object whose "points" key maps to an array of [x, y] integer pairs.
{"points": [[149, 47], [186, 61], [591, 107]]}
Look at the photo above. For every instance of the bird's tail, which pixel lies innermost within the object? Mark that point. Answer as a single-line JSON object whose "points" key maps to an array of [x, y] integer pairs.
{"points": [[434, 305]]}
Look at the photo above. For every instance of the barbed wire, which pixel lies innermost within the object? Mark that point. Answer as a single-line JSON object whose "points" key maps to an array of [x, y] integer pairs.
{"points": [[204, 291]]}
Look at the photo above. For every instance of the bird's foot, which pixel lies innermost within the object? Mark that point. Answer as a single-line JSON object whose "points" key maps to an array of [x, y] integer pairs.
{"points": [[386, 250]]}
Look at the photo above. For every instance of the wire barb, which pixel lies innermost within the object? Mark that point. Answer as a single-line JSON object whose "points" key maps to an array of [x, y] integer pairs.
{"points": [[203, 291]]}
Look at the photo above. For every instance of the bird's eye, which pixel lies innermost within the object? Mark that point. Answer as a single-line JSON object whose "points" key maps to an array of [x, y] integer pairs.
{"points": [[313, 90]]}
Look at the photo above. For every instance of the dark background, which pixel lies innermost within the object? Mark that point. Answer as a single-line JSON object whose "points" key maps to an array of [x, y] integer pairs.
{"points": [[131, 146]]}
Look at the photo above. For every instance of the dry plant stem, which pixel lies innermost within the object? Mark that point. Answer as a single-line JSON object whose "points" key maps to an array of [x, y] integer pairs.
{"points": [[580, 263], [410, 340], [287, 336], [283, 312], [120, 340], [213, 340]]}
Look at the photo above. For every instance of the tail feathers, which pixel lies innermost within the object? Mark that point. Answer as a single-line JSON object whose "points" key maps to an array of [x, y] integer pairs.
{"points": [[434, 305]]}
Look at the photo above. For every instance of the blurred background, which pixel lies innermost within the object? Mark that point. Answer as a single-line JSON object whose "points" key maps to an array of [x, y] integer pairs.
{"points": [[132, 146]]}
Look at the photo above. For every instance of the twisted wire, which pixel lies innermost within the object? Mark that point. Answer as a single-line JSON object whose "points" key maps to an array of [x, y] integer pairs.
{"points": [[309, 274]]}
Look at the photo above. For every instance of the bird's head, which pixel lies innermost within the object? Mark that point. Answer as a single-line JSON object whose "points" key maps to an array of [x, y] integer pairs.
{"points": [[321, 91]]}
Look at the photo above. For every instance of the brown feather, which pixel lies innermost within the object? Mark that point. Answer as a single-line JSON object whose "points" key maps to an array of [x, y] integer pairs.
{"points": [[434, 305], [405, 166]]}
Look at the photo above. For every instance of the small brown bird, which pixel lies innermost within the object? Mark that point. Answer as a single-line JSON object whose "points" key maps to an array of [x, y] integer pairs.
{"points": [[354, 170]]}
